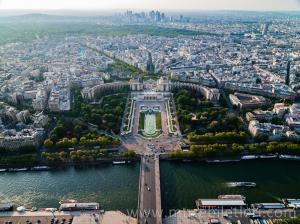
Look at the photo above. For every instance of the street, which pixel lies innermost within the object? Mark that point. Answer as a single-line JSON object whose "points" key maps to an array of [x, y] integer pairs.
{"points": [[149, 193]]}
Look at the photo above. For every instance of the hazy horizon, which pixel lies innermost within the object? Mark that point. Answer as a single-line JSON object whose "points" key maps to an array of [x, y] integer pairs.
{"points": [[117, 5], [113, 12]]}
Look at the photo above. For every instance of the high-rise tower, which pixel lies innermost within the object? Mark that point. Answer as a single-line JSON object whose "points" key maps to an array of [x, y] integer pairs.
{"points": [[265, 28]]}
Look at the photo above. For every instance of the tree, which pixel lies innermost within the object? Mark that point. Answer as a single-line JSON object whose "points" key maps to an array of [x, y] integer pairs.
{"points": [[237, 149], [3, 150], [74, 141], [130, 154], [48, 143], [258, 80], [261, 137], [214, 126], [62, 155], [119, 110], [77, 130], [289, 221], [83, 140], [58, 132], [231, 118]]}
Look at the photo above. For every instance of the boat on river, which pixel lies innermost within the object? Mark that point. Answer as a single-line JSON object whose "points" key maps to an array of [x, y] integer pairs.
{"points": [[4, 207], [248, 157], [21, 209], [91, 206], [232, 197], [242, 184], [289, 157], [292, 203], [222, 160], [268, 156], [119, 162], [65, 201], [40, 168], [187, 160], [17, 169]]}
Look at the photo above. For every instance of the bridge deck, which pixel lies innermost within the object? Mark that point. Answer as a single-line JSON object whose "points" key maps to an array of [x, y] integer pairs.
{"points": [[149, 192]]}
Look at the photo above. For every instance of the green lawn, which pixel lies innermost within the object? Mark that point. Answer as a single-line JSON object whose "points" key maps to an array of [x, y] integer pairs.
{"points": [[158, 121], [141, 121]]}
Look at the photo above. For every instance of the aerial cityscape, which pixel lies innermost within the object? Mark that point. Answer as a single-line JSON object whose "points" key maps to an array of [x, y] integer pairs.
{"points": [[139, 112]]}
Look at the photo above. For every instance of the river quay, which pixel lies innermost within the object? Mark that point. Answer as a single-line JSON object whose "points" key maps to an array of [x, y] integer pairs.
{"points": [[109, 217], [229, 216]]}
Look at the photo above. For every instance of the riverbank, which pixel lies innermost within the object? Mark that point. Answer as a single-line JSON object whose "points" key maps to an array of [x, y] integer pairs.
{"points": [[244, 216], [231, 159], [166, 157], [70, 163]]}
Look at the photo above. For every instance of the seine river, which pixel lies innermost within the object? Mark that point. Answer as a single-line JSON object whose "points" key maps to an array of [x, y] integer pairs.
{"points": [[116, 187]]}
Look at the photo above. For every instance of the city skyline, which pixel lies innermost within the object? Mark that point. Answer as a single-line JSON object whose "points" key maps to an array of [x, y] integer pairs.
{"points": [[266, 5]]}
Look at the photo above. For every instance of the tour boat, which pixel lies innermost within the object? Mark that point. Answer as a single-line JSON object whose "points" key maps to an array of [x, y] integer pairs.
{"points": [[51, 209], [232, 197], [17, 169], [268, 156], [242, 184], [289, 157], [187, 160], [5, 207], [65, 201], [119, 162], [21, 209], [40, 168], [222, 161], [292, 203], [91, 206], [247, 157]]}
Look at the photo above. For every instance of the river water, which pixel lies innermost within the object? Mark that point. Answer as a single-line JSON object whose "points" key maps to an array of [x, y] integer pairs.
{"points": [[183, 183], [116, 187]]}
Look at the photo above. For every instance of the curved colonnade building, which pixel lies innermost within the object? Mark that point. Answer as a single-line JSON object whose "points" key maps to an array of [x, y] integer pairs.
{"points": [[161, 85], [97, 91]]}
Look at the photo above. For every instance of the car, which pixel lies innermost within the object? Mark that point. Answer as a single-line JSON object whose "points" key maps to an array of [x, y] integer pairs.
{"points": [[250, 214], [34, 209], [149, 189], [214, 221]]}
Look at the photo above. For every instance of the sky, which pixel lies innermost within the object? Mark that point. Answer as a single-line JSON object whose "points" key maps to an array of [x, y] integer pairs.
{"points": [[264, 5]]}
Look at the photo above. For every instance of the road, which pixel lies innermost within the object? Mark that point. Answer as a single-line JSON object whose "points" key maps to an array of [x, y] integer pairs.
{"points": [[222, 92], [149, 192], [149, 206]]}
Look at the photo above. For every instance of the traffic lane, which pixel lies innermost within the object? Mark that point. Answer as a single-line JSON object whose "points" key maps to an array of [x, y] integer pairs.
{"points": [[149, 202]]}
